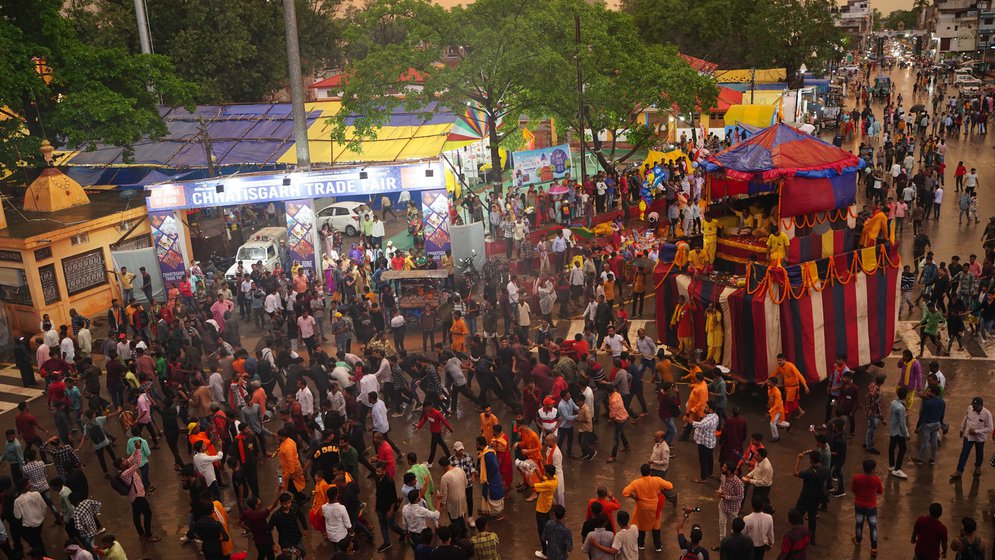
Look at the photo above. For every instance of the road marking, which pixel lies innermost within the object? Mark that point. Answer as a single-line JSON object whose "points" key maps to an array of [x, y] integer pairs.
{"points": [[11, 390]]}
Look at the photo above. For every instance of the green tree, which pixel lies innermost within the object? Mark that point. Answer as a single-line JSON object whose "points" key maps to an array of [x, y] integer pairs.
{"points": [[87, 95], [901, 19], [234, 50], [786, 33], [490, 53], [704, 29], [621, 76]]}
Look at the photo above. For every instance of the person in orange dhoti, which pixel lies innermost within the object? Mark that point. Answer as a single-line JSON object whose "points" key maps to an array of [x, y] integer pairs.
{"points": [[648, 492], [792, 380], [531, 448], [775, 407], [877, 223], [499, 443], [459, 332], [487, 423], [682, 320]]}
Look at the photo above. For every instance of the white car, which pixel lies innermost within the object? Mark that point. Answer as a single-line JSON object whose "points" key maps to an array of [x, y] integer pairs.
{"points": [[343, 216], [969, 86], [959, 78]]}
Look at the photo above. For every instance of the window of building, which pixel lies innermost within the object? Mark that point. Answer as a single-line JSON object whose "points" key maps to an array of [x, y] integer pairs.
{"points": [[988, 20], [14, 286], [84, 271], [79, 239]]}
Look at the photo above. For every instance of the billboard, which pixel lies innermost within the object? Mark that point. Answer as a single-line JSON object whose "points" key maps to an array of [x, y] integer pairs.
{"points": [[542, 166], [255, 189]]}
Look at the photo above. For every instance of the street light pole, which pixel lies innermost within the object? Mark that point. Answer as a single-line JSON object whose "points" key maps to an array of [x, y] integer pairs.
{"points": [[580, 100], [296, 85], [143, 27]]}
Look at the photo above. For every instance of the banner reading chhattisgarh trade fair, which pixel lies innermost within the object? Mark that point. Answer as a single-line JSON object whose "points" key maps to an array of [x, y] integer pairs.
{"points": [[300, 235], [166, 236], [543, 165], [263, 188], [435, 212]]}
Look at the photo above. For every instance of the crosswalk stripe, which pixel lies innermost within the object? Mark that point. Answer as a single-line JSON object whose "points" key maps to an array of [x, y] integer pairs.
{"points": [[11, 391], [909, 335]]}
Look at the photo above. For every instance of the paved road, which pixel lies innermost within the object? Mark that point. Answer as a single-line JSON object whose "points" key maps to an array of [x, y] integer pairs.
{"points": [[968, 373]]}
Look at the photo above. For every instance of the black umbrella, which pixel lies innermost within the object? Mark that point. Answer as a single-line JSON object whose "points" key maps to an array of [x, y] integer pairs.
{"points": [[917, 108]]}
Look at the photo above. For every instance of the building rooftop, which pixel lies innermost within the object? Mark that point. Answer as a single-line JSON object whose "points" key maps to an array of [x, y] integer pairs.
{"points": [[34, 226]]}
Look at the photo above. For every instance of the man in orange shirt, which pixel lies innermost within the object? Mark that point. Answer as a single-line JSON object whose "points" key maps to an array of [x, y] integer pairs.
{"points": [[291, 472], [695, 406], [684, 325], [792, 380], [487, 423], [531, 448], [775, 407], [459, 332]]}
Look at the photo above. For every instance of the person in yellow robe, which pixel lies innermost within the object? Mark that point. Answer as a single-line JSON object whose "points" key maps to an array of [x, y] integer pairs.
{"points": [[681, 255], [777, 247], [459, 332], [775, 408], [713, 333], [710, 238], [221, 516], [648, 493], [320, 498], [877, 223], [793, 379], [696, 261]]}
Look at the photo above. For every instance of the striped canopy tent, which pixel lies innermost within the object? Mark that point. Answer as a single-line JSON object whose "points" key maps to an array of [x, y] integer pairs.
{"points": [[845, 305]]}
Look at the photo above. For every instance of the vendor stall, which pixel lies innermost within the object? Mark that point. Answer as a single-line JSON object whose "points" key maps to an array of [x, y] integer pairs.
{"points": [[416, 289]]}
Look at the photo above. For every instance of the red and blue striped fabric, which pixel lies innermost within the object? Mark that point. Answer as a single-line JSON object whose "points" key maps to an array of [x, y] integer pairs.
{"points": [[807, 195]]}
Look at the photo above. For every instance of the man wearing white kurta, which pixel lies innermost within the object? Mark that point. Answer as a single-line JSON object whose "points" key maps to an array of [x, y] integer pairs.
{"points": [[553, 456]]}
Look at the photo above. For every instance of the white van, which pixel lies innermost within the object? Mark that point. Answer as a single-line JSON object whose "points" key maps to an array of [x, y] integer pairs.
{"points": [[958, 78], [964, 70], [264, 245]]}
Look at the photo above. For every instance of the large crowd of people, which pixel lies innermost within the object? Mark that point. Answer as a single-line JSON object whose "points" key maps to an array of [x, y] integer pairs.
{"points": [[335, 366]]}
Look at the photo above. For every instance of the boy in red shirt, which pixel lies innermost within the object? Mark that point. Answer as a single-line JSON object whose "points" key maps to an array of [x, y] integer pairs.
{"points": [[930, 535], [436, 420], [866, 488]]}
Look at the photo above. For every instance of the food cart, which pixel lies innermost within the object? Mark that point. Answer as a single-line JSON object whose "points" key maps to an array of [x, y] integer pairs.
{"points": [[414, 290]]}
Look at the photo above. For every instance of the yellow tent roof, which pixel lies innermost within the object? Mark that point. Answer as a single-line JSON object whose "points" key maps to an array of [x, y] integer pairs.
{"points": [[753, 115], [410, 141], [744, 76], [762, 97]]}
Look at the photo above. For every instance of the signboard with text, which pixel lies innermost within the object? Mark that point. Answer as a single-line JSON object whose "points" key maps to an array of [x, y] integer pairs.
{"points": [[166, 236], [542, 166], [300, 234], [231, 191]]}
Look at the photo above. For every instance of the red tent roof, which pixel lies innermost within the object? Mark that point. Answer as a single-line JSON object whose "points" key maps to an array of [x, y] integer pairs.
{"points": [[411, 75], [699, 65], [727, 98], [782, 151]]}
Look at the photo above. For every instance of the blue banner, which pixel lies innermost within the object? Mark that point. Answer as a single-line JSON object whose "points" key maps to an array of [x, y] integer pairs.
{"points": [[300, 235], [541, 166], [435, 212], [166, 236], [254, 189]]}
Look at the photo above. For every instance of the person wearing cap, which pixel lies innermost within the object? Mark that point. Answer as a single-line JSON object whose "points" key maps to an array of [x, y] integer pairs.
{"points": [[974, 429]]}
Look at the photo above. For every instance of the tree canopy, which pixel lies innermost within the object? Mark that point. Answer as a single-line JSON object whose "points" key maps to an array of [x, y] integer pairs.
{"points": [[741, 33], [234, 51], [58, 88], [508, 60]]}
